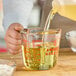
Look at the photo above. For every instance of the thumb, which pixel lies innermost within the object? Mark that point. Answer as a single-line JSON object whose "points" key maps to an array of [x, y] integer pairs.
{"points": [[18, 27]]}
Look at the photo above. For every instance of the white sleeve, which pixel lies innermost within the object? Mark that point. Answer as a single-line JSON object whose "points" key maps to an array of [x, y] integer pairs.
{"points": [[16, 11]]}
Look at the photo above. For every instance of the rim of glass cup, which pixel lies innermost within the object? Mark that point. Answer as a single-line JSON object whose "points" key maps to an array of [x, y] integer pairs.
{"points": [[50, 31]]}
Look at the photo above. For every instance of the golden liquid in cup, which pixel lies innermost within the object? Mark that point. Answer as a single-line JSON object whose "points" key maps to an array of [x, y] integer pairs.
{"points": [[40, 58]]}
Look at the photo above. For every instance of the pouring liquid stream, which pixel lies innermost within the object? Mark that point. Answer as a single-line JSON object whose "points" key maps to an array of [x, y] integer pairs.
{"points": [[47, 24], [67, 10], [49, 20]]}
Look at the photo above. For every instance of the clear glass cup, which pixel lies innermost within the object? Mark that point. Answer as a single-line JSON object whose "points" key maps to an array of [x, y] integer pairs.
{"points": [[7, 67], [40, 49]]}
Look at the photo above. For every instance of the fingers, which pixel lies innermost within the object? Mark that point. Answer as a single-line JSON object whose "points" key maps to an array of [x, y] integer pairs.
{"points": [[14, 52], [13, 38], [14, 30], [14, 34], [18, 27], [13, 47], [13, 41]]}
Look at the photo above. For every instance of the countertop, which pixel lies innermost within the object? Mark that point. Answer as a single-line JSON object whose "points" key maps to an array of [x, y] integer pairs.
{"points": [[66, 65]]}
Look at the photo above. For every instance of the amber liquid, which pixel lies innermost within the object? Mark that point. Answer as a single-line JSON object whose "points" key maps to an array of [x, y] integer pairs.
{"points": [[41, 57], [68, 11]]}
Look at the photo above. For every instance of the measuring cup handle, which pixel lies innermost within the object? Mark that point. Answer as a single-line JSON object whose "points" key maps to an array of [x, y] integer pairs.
{"points": [[24, 31]]}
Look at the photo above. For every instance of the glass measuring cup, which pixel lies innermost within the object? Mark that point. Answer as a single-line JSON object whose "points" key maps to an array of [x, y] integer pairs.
{"points": [[40, 49]]}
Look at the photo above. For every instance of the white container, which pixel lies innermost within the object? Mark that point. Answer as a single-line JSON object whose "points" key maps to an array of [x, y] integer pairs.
{"points": [[71, 37], [7, 67]]}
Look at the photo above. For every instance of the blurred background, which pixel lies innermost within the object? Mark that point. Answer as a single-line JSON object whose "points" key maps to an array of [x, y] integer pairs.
{"points": [[39, 14], [35, 14], [2, 42]]}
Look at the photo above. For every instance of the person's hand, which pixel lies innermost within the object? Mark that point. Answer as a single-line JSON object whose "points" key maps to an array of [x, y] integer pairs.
{"points": [[13, 38]]}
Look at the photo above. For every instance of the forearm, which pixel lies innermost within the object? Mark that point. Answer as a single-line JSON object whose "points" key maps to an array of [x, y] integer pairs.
{"points": [[16, 11]]}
